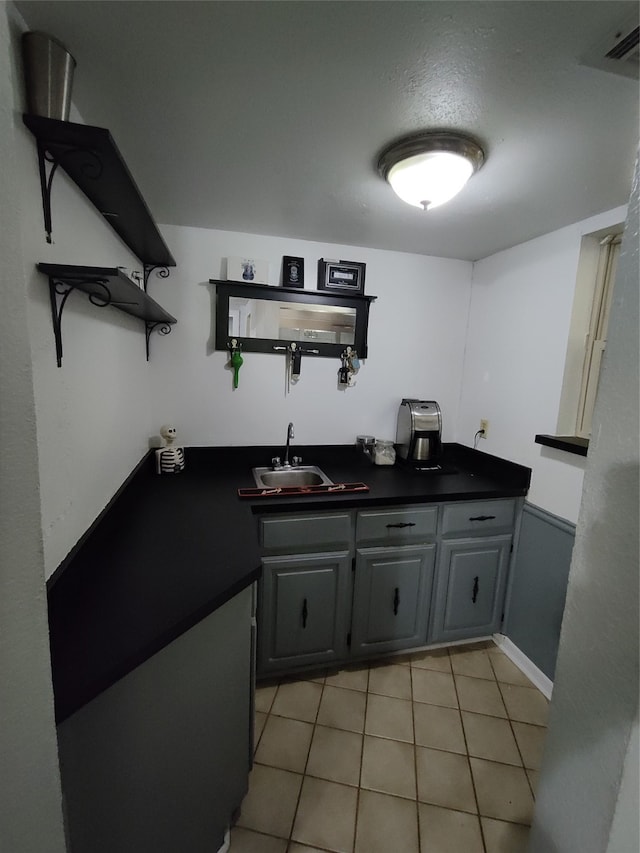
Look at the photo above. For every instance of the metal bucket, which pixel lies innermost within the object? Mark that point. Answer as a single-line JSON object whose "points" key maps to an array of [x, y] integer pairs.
{"points": [[48, 70]]}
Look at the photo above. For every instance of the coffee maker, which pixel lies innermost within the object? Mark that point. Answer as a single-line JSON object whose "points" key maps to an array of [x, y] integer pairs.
{"points": [[419, 432]]}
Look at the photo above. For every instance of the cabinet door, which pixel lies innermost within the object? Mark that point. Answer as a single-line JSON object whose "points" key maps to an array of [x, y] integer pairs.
{"points": [[303, 609], [391, 598], [470, 588]]}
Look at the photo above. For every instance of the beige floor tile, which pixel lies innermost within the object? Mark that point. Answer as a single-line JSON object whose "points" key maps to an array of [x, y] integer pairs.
{"points": [[259, 721], [285, 744], [390, 680], [264, 697], [271, 802], [506, 670], [491, 738], [352, 679], [475, 664], [246, 841], [389, 717], [525, 704], [326, 816], [531, 742], [435, 688], [444, 779], [386, 824], [437, 659], [438, 727], [294, 847], [342, 709], [480, 696], [503, 792], [388, 767], [335, 755], [501, 837], [318, 677], [448, 831], [298, 700]]}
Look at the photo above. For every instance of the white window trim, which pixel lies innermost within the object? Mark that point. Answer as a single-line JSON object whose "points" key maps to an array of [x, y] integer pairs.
{"points": [[591, 275]]}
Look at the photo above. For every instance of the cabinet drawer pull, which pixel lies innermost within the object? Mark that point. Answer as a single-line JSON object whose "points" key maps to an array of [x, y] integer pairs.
{"points": [[481, 517], [305, 613], [396, 601], [403, 524], [474, 595]]}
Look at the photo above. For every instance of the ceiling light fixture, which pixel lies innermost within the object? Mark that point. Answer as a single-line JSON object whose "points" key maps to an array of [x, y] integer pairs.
{"points": [[428, 169]]}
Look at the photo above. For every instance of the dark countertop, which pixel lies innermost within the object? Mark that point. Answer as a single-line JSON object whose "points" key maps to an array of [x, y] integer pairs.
{"points": [[168, 550]]}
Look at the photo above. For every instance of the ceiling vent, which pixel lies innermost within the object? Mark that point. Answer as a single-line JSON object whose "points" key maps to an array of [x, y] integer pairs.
{"points": [[618, 52]]}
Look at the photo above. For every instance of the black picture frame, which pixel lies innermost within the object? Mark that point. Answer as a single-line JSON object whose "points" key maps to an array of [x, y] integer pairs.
{"points": [[341, 276], [292, 271]]}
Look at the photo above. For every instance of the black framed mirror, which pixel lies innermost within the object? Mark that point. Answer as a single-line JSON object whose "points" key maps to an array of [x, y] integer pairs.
{"points": [[263, 318]]}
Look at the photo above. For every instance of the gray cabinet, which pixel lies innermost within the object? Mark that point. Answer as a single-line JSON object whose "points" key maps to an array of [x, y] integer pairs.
{"points": [[470, 588], [304, 610], [391, 597], [358, 583], [159, 761]]}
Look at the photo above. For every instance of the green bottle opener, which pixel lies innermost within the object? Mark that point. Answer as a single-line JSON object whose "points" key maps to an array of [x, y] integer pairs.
{"points": [[236, 362]]}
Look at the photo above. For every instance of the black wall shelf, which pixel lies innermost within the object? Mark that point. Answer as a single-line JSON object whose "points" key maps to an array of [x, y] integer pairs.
{"points": [[91, 158], [104, 286], [570, 443]]}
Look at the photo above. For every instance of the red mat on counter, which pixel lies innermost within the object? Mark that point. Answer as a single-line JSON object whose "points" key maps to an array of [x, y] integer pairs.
{"points": [[299, 491]]}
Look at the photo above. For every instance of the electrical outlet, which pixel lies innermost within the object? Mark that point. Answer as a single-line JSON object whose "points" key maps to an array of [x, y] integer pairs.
{"points": [[484, 427]]}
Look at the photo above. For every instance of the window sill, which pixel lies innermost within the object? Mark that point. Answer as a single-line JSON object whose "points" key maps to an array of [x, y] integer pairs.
{"points": [[570, 443]]}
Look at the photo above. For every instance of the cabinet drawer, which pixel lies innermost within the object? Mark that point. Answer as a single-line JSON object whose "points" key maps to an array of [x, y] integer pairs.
{"points": [[296, 534], [476, 517], [400, 525]]}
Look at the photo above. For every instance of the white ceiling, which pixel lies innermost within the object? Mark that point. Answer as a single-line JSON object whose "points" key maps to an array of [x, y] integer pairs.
{"points": [[268, 117]]}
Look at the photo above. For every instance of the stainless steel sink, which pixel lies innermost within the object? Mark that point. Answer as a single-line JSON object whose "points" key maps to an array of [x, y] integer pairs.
{"points": [[297, 475]]}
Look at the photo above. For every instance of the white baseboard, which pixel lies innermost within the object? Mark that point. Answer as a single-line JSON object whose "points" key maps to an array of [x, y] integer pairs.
{"points": [[226, 844], [526, 666]]}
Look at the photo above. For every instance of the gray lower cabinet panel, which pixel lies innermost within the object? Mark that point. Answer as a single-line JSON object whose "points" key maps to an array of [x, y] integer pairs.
{"points": [[538, 590], [159, 762], [470, 588], [391, 598], [304, 609]]}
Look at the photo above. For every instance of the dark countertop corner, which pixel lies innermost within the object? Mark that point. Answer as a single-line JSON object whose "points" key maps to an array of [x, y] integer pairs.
{"points": [[169, 550]]}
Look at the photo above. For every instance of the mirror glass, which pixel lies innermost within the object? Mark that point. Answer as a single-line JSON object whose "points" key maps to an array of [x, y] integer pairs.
{"points": [[290, 321]]}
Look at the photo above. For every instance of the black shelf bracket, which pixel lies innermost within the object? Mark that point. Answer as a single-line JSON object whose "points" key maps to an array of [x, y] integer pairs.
{"points": [[162, 271], [163, 329], [59, 291], [91, 167]]}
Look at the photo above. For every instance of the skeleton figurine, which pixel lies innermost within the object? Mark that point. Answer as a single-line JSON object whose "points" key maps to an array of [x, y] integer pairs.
{"points": [[169, 459]]}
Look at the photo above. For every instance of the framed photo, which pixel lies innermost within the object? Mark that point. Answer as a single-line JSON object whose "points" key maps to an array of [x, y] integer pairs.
{"points": [[342, 276], [292, 271], [249, 270]]}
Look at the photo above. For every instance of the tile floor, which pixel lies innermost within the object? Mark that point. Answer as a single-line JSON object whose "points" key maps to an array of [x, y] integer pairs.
{"points": [[434, 752]]}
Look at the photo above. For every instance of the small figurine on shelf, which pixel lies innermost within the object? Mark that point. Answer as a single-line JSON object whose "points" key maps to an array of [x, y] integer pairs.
{"points": [[169, 459]]}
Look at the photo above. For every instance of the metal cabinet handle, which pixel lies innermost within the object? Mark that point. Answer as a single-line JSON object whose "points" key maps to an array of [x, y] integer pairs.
{"points": [[396, 601], [481, 517], [305, 613], [474, 594], [403, 524]]}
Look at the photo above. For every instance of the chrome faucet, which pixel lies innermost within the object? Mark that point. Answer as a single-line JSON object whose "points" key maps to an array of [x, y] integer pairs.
{"points": [[290, 435]]}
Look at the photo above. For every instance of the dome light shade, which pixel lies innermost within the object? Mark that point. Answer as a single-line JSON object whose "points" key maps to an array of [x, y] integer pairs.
{"points": [[428, 169]]}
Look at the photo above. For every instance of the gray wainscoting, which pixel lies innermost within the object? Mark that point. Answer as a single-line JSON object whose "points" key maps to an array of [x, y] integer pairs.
{"points": [[538, 586]]}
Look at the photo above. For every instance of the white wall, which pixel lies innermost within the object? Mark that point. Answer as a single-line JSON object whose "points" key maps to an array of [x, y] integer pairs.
{"points": [[588, 789], [93, 413], [30, 796], [521, 303], [417, 329]]}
